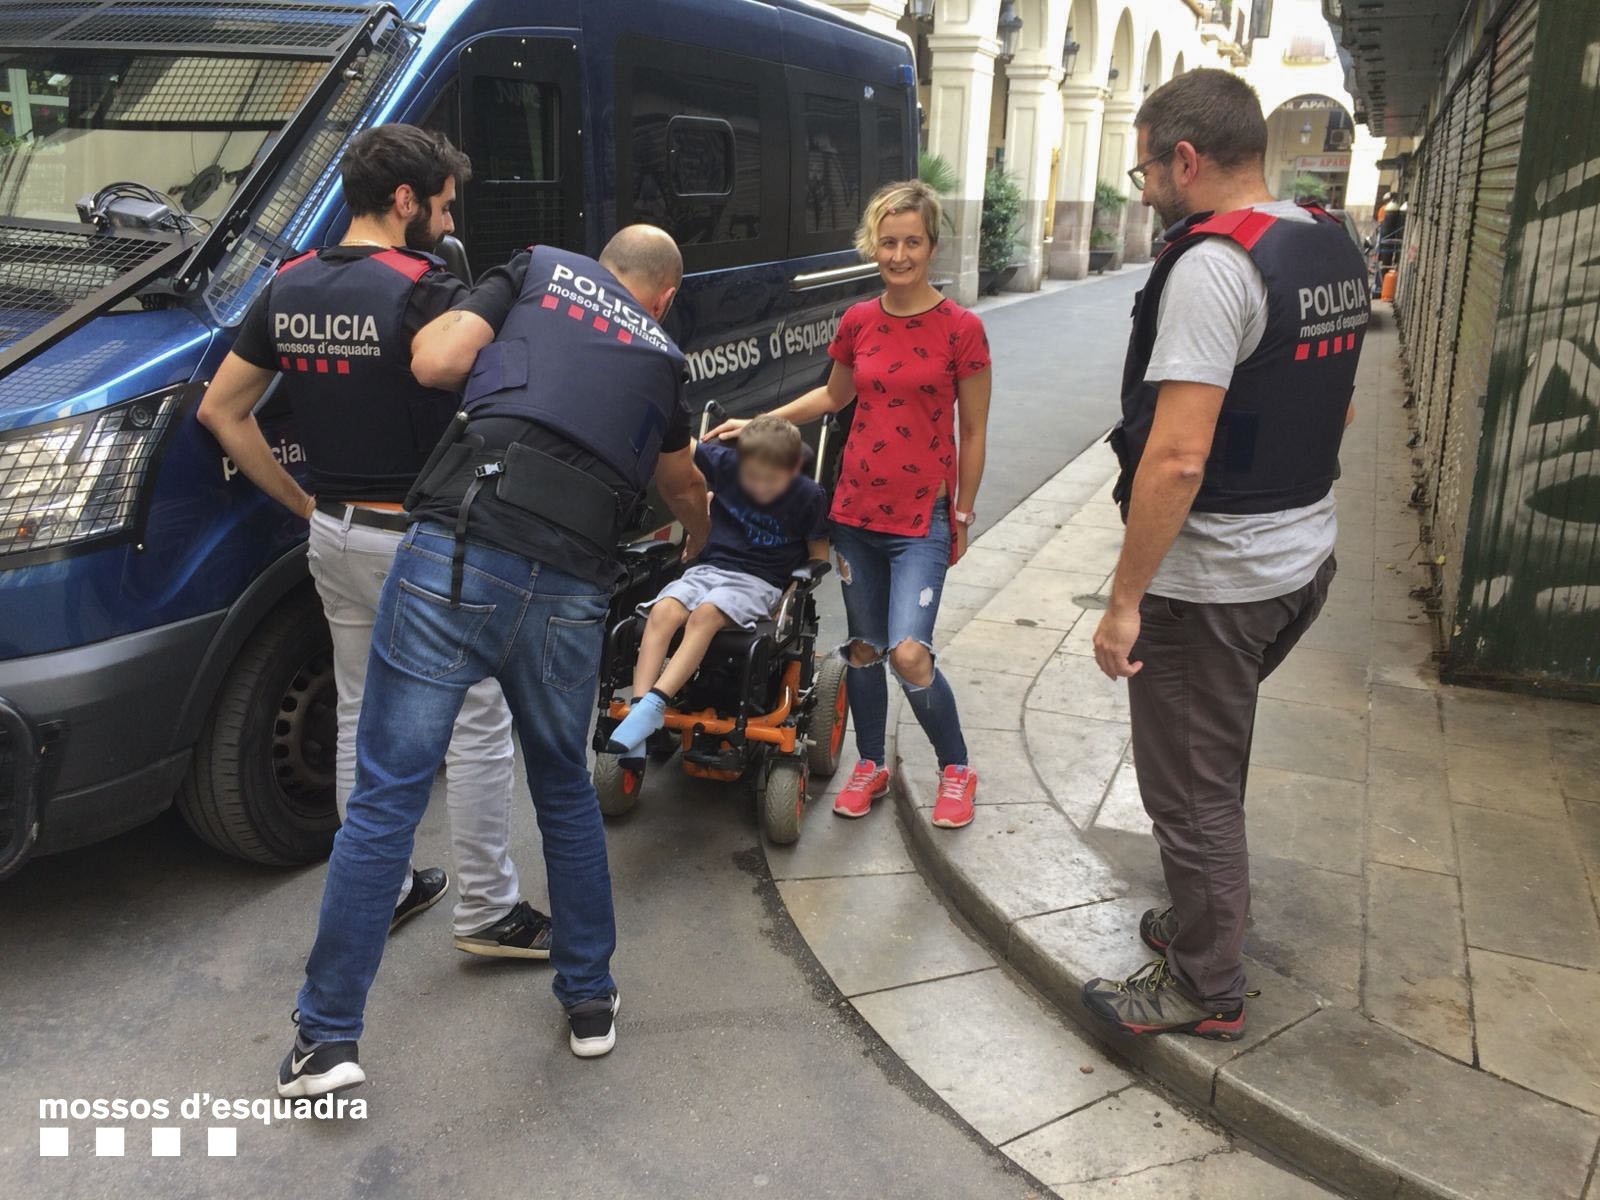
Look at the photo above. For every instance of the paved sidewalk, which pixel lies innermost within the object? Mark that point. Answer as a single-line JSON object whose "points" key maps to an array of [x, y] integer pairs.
{"points": [[1425, 859]]}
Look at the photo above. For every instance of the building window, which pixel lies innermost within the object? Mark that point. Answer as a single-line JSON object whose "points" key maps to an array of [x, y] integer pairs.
{"points": [[833, 163], [517, 130]]}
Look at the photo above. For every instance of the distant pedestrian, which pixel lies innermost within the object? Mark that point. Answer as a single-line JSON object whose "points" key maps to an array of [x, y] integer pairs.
{"points": [[917, 364], [1236, 394]]}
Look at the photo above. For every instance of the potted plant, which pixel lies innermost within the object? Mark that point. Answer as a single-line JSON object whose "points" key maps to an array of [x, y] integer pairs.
{"points": [[1105, 233], [999, 231]]}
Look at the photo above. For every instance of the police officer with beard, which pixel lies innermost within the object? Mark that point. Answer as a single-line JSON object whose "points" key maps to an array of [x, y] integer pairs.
{"points": [[335, 327]]}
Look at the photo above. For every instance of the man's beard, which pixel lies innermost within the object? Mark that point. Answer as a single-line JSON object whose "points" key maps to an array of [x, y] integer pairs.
{"points": [[419, 232], [1169, 207]]}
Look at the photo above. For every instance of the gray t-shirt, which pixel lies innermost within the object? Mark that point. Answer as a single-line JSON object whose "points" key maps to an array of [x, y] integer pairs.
{"points": [[1213, 313]]}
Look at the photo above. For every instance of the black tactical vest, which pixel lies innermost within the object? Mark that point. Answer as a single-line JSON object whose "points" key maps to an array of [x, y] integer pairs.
{"points": [[1277, 440], [338, 325], [579, 355]]}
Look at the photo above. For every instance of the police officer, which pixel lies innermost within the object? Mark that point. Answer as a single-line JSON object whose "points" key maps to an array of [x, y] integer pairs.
{"points": [[1236, 394], [336, 325], [507, 574]]}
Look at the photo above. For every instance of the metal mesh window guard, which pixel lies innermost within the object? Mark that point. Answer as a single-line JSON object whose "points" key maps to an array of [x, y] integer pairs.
{"points": [[289, 28]]}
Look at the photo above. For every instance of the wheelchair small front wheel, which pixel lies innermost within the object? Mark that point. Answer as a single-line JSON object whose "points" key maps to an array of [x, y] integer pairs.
{"points": [[783, 800], [830, 707], [617, 786]]}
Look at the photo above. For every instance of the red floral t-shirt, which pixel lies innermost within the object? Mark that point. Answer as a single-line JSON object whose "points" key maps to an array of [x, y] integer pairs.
{"points": [[902, 442]]}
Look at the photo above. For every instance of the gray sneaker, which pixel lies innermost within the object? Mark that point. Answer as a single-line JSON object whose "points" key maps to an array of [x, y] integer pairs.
{"points": [[1158, 927], [1148, 1001]]}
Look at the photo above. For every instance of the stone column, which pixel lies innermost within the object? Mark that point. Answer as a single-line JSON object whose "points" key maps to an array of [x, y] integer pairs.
{"points": [[958, 129], [1033, 126], [1082, 113], [882, 15], [1117, 148]]}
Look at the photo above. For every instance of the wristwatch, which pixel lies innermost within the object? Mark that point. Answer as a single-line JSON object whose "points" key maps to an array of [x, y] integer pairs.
{"points": [[962, 518]]}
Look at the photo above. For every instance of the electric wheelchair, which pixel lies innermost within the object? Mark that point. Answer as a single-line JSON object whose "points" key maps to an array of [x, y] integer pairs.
{"points": [[762, 707]]}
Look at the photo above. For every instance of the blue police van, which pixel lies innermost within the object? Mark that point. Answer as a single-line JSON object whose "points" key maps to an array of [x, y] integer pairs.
{"points": [[160, 641]]}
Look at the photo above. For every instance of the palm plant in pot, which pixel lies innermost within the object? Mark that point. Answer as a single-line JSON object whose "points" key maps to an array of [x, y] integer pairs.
{"points": [[1105, 232], [999, 231]]}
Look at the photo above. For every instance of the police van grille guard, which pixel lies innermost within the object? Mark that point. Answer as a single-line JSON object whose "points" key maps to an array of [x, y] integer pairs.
{"points": [[360, 51]]}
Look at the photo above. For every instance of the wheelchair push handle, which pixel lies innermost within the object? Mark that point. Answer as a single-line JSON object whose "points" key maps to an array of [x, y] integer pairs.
{"points": [[710, 417]]}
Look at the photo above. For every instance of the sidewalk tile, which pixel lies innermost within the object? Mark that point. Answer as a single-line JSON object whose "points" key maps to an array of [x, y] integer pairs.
{"points": [[1080, 638], [1585, 818], [1490, 778], [1131, 1131], [997, 646], [1076, 757], [1045, 598], [880, 931], [1074, 684], [1061, 951], [1065, 489], [1347, 632], [987, 699], [1310, 819], [1088, 549], [1050, 513], [1536, 1025], [1407, 719], [1310, 738], [1236, 1175], [830, 845], [1307, 923], [1000, 756], [1524, 889], [985, 567], [1416, 978], [1408, 813], [1402, 655], [967, 597], [1351, 1101], [992, 1051], [1014, 537], [1123, 809], [1482, 718], [1315, 676], [1102, 516], [1577, 758]]}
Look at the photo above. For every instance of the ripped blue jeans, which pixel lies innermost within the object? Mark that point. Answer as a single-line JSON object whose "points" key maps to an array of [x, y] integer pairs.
{"points": [[892, 583]]}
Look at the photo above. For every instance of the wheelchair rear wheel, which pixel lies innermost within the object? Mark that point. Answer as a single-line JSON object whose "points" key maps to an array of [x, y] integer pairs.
{"points": [[783, 800], [617, 786], [825, 723]]}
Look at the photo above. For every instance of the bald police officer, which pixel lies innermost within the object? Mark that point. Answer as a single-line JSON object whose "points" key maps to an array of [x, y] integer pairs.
{"points": [[574, 403], [335, 326]]}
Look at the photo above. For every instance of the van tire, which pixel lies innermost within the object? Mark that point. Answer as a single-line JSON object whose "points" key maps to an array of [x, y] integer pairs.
{"points": [[261, 786]]}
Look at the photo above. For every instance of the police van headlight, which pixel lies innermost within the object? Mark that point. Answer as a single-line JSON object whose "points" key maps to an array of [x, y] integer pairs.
{"points": [[81, 479]]}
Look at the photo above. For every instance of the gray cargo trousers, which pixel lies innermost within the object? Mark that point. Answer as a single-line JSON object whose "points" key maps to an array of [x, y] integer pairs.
{"points": [[1193, 705], [349, 564]]}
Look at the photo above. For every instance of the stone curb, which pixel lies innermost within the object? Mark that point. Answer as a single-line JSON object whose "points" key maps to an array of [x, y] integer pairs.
{"points": [[1335, 1094]]}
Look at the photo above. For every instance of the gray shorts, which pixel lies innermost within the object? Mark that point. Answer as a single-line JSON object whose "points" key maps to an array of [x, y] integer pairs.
{"points": [[743, 599]]}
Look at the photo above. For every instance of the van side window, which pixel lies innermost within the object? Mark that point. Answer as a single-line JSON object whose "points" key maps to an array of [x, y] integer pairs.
{"points": [[697, 156], [833, 163], [517, 124], [891, 145]]}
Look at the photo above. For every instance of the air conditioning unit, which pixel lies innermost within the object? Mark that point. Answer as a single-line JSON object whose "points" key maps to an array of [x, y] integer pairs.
{"points": [[1340, 139]]}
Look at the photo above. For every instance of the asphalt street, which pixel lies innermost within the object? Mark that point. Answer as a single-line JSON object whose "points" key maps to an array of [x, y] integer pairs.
{"points": [[152, 968]]}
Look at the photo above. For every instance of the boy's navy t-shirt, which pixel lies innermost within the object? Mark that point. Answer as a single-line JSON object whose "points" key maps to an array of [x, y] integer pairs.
{"points": [[764, 540]]}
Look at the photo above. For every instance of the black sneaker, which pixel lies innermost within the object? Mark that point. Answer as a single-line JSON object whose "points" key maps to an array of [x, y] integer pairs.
{"points": [[428, 886], [319, 1068], [594, 1025], [524, 932]]}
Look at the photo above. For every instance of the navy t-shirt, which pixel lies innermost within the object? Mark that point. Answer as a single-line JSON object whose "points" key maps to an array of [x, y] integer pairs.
{"points": [[764, 540]]}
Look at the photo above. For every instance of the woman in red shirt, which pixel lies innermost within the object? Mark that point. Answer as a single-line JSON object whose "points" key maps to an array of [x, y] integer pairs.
{"points": [[918, 366]]}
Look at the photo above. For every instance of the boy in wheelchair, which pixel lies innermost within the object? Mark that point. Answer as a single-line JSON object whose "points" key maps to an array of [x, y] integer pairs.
{"points": [[767, 519]]}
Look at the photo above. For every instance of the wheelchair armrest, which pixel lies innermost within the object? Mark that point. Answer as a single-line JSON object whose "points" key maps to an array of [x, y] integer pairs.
{"points": [[811, 572]]}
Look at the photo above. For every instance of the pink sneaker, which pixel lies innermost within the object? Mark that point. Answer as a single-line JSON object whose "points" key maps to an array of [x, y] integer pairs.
{"points": [[867, 782], [953, 808]]}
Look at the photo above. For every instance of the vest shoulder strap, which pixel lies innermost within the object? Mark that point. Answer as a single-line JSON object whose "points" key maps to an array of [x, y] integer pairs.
{"points": [[412, 266], [295, 261], [1244, 226]]}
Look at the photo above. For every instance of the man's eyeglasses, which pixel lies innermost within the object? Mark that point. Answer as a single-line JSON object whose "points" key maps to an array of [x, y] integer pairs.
{"points": [[1137, 173]]}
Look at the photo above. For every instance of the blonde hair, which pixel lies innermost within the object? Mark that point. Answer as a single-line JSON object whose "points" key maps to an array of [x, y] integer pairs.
{"points": [[772, 440], [909, 195]]}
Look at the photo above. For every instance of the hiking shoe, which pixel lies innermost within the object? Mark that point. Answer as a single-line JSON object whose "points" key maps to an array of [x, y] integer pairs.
{"points": [[317, 1068], [866, 783], [594, 1025], [1158, 927], [953, 807], [1148, 1001], [428, 886], [524, 932]]}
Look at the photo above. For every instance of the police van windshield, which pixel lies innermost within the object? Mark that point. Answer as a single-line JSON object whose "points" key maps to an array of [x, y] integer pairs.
{"points": [[190, 127]]}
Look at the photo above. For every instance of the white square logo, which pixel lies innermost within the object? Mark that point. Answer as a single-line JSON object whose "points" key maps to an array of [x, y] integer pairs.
{"points": [[222, 1141], [52, 1141], [166, 1141], [108, 1141]]}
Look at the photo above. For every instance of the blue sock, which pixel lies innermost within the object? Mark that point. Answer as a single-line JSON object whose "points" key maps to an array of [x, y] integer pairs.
{"points": [[647, 715]]}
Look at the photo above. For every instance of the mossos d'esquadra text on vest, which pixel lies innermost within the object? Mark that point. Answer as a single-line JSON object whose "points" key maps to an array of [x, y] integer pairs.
{"points": [[346, 335], [580, 289]]}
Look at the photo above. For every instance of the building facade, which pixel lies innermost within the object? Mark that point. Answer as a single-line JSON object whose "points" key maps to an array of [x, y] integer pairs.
{"points": [[1047, 91]]}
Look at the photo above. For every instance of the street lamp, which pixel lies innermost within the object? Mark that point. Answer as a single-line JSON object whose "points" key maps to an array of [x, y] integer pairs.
{"points": [[1111, 76], [1010, 30], [922, 10], [1069, 54], [1305, 132]]}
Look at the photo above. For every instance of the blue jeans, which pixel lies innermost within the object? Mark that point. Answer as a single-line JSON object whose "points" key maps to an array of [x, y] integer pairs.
{"points": [[892, 583], [540, 633]]}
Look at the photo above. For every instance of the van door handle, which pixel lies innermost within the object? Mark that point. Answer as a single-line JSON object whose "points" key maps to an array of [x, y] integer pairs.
{"points": [[812, 280]]}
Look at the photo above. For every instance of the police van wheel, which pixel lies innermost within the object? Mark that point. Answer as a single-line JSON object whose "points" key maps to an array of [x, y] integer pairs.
{"points": [[783, 800], [829, 711], [261, 786], [616, 786]]}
